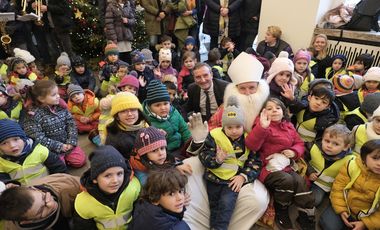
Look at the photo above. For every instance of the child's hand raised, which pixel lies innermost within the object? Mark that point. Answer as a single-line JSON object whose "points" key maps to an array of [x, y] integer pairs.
{"points": [[221, 155], [288, 92], [142, 81], [264, 119], [236, 183], [185, 169]]}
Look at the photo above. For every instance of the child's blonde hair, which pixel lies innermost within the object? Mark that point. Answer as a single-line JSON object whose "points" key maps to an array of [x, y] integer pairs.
{"points": [[339, 130]]}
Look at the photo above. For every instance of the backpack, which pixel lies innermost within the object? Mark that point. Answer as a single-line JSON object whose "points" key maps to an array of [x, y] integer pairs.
{"points": [[365, 16]]}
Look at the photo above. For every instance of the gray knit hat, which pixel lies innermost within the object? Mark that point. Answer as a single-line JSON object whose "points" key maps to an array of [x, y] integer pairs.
{"points": [[156, 92], [103, 158], [370, 103], [232, 114], [147, 54], [73, 89], [64, 60]]}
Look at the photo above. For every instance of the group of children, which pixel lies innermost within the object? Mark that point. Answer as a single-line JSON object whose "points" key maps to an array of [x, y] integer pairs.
{"points": [[135, 118]]}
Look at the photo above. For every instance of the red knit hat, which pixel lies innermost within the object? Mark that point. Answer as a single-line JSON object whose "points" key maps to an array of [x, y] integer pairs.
{"points": [[343, 83], [129, 80]]}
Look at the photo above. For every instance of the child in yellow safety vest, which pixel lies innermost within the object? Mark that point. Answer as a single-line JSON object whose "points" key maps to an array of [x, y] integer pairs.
{"points": [[229, 164], [84, 107], [326, 158], [162, 203], [371, 83], [368, 131], [110, 189], [22, 159], [9, 107], [355, 193]]}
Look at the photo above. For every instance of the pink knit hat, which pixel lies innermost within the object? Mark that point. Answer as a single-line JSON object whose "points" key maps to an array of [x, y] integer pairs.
{"points": [[129, 80], [302, 54], [282, 63]]}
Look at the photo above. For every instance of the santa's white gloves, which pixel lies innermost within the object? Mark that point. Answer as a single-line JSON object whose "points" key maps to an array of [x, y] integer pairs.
{"points": [[198, 129]]}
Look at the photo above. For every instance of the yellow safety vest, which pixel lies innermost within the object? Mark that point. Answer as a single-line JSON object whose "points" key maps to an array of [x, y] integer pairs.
{"points": [[306, 128], [3, 70], [360, 138], [357, 113], [32, 168], [231, 164], [15, 112], [305, 84], [354, 172], [89, 108], [105, 218], [329, 69], [326, 175], [114, 80]]}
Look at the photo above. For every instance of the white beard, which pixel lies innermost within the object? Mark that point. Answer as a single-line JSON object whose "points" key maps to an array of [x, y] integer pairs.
{"points": [[252, 104]]}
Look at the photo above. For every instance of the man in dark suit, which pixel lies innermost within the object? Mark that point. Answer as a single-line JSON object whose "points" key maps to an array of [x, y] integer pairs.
{"points": [[206, 93]]}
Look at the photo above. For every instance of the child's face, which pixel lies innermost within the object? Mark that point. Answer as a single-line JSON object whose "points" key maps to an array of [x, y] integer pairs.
{"points": [[161, 108], [33, 67], [372, 162], [282, 78], [121, 72], [79, 69], [110, 180], [233, 131], [247, 88], [333, 145], [140, 66], [12, 146], [129, 88], [157, 156], [112, 58], [173, 201], [376, 125], [166, 44], [3, 99], [189, 47], [165, 64], [358, 66], [77, 98], [337, 64], [189, 63], [372, 85], [64, 69], [20, 68], [172, 94], [318, 104], [274, 111], [128, 116], [301, 65], [52, 98]]}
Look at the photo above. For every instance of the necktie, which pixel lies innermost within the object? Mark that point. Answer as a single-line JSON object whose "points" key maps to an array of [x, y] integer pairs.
{"points": [[208, 106]]}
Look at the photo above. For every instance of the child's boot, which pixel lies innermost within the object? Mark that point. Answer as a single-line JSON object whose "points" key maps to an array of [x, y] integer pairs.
{"points": [[282, 216]]}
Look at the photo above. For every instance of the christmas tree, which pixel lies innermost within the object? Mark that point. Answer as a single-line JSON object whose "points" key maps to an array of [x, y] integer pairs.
{"points": [[87, 35], [140, 37]]}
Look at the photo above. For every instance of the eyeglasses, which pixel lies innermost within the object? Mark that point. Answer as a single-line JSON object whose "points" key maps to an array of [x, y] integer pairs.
{"points": [[45, 209]]}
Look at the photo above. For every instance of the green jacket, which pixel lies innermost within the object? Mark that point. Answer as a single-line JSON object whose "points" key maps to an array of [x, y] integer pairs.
{"points": [[177, 132]]}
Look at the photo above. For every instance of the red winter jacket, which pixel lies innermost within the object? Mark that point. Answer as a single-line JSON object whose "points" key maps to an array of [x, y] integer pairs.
{"points": [[276, 138]]}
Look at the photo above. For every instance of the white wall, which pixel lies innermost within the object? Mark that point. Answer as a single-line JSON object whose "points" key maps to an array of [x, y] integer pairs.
{"points": [[296, 18]]}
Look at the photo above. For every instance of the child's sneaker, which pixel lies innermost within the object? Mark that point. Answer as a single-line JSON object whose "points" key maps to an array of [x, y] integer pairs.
{"points": [[305, 221], [282, 216]]}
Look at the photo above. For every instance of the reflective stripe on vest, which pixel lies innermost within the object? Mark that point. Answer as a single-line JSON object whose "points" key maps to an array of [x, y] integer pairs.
{"points": [[106, 218], [357, 113], [327, 175], [354, 172], [32, 167], [361, 95], [231, 164], [360, 137], [306, 128]]}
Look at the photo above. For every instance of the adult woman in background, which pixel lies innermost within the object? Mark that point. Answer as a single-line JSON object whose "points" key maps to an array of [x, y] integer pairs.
{"points": [[273, 43], [320, 59]]}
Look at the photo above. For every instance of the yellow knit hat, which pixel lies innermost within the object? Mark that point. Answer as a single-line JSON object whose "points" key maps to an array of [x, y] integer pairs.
{"points": [[123, 101]]}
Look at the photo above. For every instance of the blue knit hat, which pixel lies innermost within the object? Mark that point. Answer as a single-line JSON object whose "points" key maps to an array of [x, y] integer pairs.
{"points": [[10, 129], [156, 92], [190, 40], [137, 57], [341, 57]]}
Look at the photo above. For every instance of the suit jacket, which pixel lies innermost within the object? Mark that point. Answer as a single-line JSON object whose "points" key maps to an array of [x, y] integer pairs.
{"points": [[194, 92]]}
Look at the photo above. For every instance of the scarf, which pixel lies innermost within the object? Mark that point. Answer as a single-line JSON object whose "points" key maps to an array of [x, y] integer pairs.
{"points": [[131, 128], [223, 23], [371, 134]]}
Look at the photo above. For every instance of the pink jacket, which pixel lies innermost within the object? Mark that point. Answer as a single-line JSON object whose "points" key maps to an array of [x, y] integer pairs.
{"points": [[276, 138]]}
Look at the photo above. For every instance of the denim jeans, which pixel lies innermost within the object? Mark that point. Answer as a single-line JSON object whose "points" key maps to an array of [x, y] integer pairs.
{"points": [[319, 194], [329, 220], [222, 204]]}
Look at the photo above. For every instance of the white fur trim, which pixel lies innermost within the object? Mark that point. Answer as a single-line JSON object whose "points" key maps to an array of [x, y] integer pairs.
{"points": [[245, 68], [252, 104]]}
